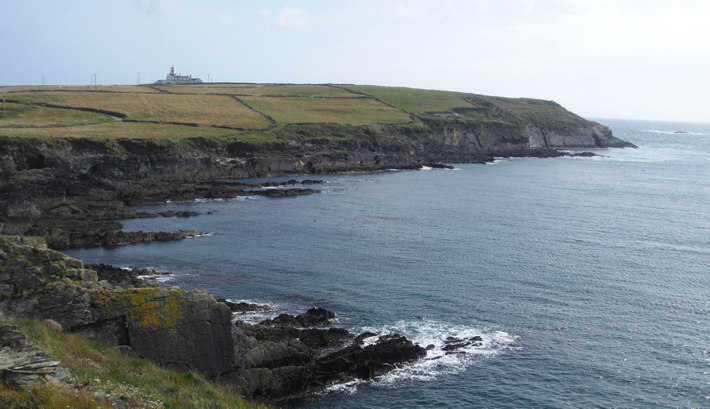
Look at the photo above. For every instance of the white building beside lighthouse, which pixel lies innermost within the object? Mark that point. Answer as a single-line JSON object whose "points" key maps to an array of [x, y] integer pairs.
{"points": [[175, 78]]}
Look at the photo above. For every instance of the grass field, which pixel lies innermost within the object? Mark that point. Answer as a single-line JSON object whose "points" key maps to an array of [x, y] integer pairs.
{"points": [[115, 129], [286, 110], [31, 116], [255, 111], [204, 110], [417, 101], [260, 90], [548, 113]]}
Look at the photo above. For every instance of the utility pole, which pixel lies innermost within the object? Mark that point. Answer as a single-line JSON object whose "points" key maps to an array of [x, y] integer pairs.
{"points": [[94, 81], [139, 78]]}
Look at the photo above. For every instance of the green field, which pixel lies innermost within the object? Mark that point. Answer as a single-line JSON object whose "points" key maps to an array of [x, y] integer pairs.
{"points": [[417, 101], [345, 111], [253, 112], [32, 116], [287, 90]]}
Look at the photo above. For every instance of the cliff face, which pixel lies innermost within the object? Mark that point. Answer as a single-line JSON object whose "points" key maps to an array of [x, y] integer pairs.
{"points": [[27, 160]]}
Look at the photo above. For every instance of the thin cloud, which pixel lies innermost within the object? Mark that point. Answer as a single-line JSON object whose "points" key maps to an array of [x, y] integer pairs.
{"points": [[294, 18], [531, 6]]}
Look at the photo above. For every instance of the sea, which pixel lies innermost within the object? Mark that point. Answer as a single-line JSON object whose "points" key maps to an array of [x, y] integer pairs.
{"points": [[588, 278]]}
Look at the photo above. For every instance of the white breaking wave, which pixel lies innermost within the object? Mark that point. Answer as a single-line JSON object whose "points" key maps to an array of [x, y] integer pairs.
{"points": [[270, 311], [200, 235], [674, 132], [161, 278], [433, 335], [161, 275]]}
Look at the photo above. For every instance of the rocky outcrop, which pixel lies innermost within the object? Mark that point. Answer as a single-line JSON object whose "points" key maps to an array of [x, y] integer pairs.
{"points": [[282, 360], [183, 329], [285, 361], [23, 365], [86, 214]]}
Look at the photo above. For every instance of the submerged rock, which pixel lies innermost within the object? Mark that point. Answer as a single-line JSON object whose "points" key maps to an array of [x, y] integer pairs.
{"points": [[452, 344], [179, 213]]}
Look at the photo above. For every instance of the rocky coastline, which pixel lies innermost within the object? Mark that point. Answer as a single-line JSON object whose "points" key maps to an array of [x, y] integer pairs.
{"points": [[279, 361], [74, 191], [62, 193]]}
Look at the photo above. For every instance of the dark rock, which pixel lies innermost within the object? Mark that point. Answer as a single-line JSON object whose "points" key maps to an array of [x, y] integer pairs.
{"points": [[365, 363], [11, 336], [312, 182], [284, 320], [454, 344], [124, 277], [439, 166], [289, 192], [179, 213], [317, 338], [360, 339], [244, 307], [314, 317], [127, 351]]}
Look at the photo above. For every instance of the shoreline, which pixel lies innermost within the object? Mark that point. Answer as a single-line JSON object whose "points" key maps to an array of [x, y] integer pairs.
{"points": [[73, 192]]}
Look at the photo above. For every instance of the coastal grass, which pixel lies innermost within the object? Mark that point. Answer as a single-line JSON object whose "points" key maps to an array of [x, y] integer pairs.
{"points": [[417, 101], [206, 89], [347, 111], [121, 130], [294, 90], [276, 90], [32, 116], [206, 110], [107, 379], [547, 113]]}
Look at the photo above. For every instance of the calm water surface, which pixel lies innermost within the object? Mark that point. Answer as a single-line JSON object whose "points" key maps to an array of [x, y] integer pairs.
{"points": [[587, 278]]}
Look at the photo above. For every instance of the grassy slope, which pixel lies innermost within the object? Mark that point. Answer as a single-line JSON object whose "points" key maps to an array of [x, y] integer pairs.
{"points": [[111, 380], [253, 113]]}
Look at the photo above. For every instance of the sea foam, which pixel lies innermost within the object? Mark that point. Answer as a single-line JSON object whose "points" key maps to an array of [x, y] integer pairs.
{"points": [[437, 362]]}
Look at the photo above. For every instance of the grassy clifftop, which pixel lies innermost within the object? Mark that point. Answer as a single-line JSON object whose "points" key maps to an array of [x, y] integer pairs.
{"points": [[255, 113]]}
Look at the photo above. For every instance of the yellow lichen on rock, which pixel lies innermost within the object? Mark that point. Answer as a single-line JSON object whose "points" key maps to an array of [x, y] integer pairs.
{"points": [[153, 308]]}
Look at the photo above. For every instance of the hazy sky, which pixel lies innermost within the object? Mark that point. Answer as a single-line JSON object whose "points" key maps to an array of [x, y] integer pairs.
{"points": [[643, 59]]}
